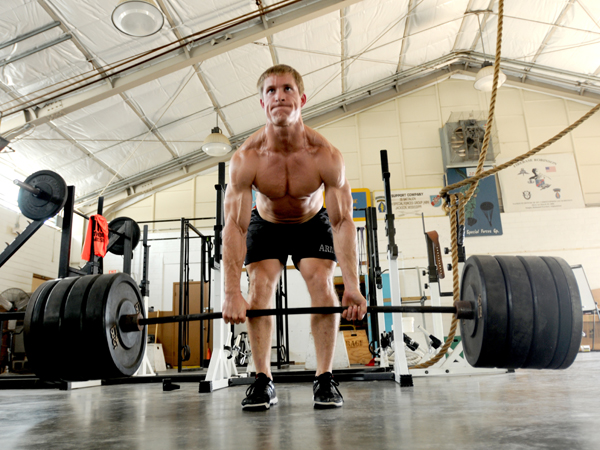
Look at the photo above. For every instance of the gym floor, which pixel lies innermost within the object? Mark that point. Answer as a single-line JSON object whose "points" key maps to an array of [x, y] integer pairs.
{"points": [[522, 410]]}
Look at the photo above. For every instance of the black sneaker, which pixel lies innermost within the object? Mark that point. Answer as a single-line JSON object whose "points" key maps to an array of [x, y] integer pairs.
{"points": [[326, 393], [260, 395]]}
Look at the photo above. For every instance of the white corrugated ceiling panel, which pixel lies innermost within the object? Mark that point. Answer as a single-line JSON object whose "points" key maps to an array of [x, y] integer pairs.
{"points": [[102, 124], [198, 16], [41, 69], [42, 148], [245, 114], [187, 135], [432, 30], [233, 75], [314, 49], [376, 30], [132, 157], [577, 49]]}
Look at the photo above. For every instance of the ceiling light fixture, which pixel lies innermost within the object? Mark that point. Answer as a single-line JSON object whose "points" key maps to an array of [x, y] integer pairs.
{"points": [[484, 80], [216, 143], [138, 18]]}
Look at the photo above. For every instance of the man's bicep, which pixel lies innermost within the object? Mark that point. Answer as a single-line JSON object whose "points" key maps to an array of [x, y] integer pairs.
{"points": [[238, 196], [339, 202], [238, 206]]}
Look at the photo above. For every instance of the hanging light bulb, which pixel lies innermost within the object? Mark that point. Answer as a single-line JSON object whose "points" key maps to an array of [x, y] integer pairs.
{"points": [[216, 143], [138, 18], [484, 80]]}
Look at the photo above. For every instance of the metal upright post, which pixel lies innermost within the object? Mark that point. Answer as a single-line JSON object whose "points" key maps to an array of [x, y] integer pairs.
{"points": [[220, 368], [127, 247], [401, 373], [66, 233], [372, 259], [181, 276]]}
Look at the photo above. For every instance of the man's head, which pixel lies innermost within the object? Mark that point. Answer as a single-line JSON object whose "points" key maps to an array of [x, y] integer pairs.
{"points": [[280, 69], [282, 96]]}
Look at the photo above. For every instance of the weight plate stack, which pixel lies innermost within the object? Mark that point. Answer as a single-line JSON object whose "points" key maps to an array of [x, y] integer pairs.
{"points": [[118, 248], [49, 202], [571, 314], [115, 353], [51, 321], [520, 310], [485, 337], [75, 361], [33, 338], [545, 312]]}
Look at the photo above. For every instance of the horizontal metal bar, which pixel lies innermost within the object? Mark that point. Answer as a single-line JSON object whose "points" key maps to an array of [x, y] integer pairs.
{"points": [[12, 316], [30, 34], [27, 187], [64, 37], [296, 311], [176, 220]]}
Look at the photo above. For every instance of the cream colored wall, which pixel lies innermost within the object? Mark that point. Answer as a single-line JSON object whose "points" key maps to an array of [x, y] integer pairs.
{"points": [[408, 128]]}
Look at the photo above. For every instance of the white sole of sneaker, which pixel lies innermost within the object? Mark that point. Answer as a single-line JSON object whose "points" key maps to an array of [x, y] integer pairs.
{"points": [[261, 406], [327, 404]]}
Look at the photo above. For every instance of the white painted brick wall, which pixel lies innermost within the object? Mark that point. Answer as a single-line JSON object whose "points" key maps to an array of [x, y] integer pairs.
{"points": [[39, 254]]}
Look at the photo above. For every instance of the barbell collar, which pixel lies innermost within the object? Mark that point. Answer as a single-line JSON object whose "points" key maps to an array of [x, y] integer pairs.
{"points": [[135, 322]]}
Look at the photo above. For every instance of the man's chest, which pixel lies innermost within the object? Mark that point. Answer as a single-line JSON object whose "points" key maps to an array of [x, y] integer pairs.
{"points": [[296, 176]]}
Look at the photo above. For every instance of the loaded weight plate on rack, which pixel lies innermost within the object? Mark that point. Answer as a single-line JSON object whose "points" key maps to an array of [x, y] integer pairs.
{"points": [[117, 353], [520, 310], [118, 248], [49, 202], [545, 312], [33, 330], [74, 361], [51, 346], [571, 314], [484, 338]]}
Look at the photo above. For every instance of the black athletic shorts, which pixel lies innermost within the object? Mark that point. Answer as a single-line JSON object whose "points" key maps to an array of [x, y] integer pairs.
{"points": [[268, 240]]}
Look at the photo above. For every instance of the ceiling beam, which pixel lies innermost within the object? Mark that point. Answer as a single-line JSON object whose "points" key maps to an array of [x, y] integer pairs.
{"points": [[197, 69], [550, 33], [406, 35], [344, 26], [230, 39], [479, 35], [265, 22], [463, 25]]}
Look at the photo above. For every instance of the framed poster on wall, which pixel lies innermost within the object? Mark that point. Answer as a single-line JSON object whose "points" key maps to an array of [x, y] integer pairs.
{"points": [[482, 213], [541, 182]]}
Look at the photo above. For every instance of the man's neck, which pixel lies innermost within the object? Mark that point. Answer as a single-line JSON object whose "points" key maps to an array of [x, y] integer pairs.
{"points": [[288, 138]]}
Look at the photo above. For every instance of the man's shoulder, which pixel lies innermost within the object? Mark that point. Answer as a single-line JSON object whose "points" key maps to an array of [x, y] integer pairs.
{"points": [[319, 143], [252, 144]]}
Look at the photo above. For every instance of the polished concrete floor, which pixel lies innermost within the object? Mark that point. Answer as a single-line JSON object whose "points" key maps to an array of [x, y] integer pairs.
{"points": [[523, 410]]}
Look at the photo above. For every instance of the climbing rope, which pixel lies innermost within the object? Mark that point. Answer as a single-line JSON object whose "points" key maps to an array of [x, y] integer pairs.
{"points": [[455, 203]]}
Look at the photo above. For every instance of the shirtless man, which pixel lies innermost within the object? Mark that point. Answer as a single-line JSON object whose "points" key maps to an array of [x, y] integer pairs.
{"points": [[289, 164]]}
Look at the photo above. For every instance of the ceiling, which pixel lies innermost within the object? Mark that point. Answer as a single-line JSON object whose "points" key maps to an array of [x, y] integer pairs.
{"points": [[120, 116]]}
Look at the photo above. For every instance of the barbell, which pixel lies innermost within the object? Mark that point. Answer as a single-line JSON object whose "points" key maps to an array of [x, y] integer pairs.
{"points": [[515, 312]]}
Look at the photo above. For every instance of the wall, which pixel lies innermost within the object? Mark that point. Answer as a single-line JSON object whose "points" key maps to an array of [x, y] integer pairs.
{"points": [[39, 255]]}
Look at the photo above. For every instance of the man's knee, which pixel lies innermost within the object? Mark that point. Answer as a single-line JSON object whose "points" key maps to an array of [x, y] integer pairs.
{"points": [[263, 279]]}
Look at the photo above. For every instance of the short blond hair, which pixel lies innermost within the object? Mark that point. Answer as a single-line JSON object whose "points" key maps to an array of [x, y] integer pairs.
{"points": [[280, 69]]}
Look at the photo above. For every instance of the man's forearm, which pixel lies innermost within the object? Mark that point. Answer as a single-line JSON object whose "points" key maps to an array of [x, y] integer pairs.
{"points": [[344, 242], [234, 251]]}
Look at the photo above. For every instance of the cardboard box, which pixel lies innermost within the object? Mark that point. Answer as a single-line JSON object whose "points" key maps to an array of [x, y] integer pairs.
{"points": [[357, 345], [591, 331]]}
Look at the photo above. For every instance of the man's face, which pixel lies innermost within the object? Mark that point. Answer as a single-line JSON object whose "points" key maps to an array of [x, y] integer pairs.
{"points": [[281, 100]]}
